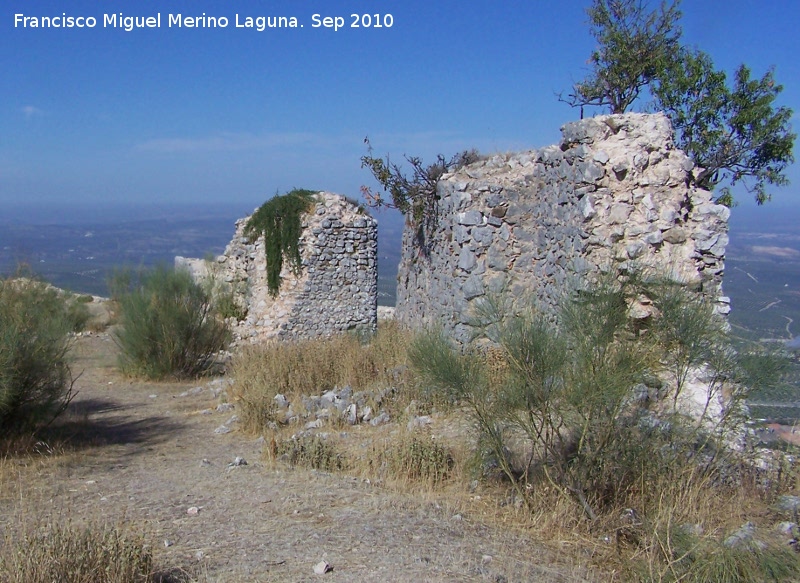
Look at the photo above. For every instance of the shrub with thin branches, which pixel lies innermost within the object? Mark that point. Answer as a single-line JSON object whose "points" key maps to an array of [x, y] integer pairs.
{"points": [[565, 413], [168, 325], [35, 379]]}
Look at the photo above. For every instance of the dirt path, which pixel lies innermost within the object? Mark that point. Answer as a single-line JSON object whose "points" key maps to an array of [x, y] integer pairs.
{"points": [[146, 453]]}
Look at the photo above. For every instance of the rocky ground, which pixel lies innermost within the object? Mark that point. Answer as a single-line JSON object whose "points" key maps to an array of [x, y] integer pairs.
{"points": [[149, 455]]}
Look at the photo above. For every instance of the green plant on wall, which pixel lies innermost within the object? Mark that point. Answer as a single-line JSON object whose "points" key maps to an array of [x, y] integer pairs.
{"points": [[412, 194], [278, 221]]}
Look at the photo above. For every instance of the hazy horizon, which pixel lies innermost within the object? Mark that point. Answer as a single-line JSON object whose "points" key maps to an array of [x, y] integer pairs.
{"points": [[226, 115]]}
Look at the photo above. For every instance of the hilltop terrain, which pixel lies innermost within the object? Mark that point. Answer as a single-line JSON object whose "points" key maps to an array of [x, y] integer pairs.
{"points": [[150, 456]]}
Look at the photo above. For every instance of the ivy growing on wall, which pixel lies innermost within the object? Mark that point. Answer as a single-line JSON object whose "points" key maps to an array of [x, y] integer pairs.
{"points": [[278, 221]]}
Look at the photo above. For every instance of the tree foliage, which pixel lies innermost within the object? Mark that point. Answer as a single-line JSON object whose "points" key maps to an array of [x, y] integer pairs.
{"points": [[634, 46], [735, 133], [278, 221]]}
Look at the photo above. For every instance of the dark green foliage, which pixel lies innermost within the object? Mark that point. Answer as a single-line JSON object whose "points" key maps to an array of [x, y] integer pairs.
{"points": [[688, 330], [278, 221], [634, 46], [413, 195], [227, 306], [168, 326], [734, 134], [227, 298], [77, 313], [35, 379]]}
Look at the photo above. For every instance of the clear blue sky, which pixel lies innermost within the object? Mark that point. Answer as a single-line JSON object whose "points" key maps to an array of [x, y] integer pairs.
{"points": [[215, 115]]}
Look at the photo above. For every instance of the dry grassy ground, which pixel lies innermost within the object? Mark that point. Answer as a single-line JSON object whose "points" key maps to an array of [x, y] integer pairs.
{"points": [[140, 454]]}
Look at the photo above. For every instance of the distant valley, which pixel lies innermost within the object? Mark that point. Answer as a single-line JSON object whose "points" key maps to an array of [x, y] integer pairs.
{"points": [[78, 253]]}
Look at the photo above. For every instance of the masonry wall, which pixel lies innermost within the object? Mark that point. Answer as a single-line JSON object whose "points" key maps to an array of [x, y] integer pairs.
{"points": [[335, 291], [613, 194]]}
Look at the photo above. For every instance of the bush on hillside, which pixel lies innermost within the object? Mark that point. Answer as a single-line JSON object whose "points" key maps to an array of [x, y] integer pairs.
{"points": [[574, 405], [168, 326], [588, 408], [35, 379]]}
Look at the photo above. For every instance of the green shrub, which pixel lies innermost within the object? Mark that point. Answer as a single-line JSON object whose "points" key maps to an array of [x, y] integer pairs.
{"points": [[35, 379], [226, 298], [681, 556], [562, 412], [77, 313], [226, 305], [168, 326]]}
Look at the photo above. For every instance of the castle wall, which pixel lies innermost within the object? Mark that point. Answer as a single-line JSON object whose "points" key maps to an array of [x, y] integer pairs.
{"points": [[335, 291], [614, 194]]}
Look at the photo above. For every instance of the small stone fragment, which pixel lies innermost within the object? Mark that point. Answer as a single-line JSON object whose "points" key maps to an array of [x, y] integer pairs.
{"points": [[351, 414], [194, 391], [419, 422], [322, 567], [192, 511], [379, 420]]}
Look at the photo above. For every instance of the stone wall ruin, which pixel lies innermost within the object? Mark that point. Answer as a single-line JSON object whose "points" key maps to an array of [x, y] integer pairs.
{"points": [[335, 291], [614, 193]]}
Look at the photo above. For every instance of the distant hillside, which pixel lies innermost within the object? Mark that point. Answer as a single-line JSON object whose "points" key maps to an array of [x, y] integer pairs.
{"points": [[78, 249], [762, 277], [762, 274], [762, 269]]}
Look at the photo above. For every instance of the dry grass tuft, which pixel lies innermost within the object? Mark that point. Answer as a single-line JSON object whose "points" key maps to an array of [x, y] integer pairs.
{"points": [[313, 367], [76, 554], [413, 459], [311, 451]]}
